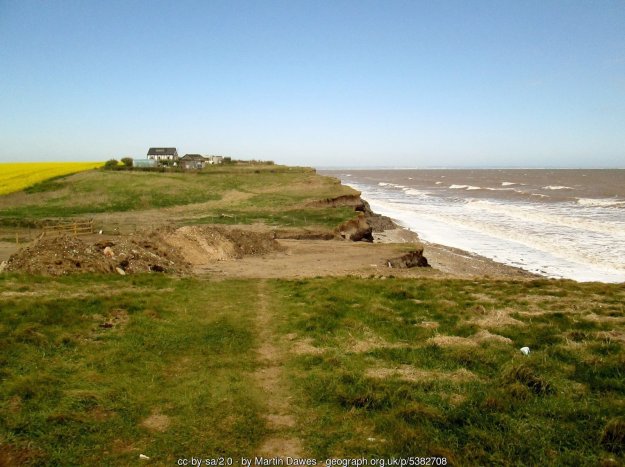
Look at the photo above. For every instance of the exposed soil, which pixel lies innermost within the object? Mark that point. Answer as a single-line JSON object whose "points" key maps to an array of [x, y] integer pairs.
{"points": [[67, 254], [270, 378], [259, 250], [160, 250]]}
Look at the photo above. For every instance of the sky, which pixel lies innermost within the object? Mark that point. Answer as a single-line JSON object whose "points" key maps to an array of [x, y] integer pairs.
{"points": [[320, 83]]}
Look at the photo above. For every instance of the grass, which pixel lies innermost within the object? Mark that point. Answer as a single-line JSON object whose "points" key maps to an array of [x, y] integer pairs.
{"points": [[18, 176], [376, 379], [98, 369], [276, 195], [170, 376]]}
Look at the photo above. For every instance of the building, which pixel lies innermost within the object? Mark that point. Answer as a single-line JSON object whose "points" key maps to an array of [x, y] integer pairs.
{"points": [[168, 156], [144, 163], [192, 162], [214, 159]]}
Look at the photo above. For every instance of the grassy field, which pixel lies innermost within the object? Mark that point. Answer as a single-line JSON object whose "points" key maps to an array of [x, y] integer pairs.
{"points": [[276, 195], [99, 369], [18, 176]]}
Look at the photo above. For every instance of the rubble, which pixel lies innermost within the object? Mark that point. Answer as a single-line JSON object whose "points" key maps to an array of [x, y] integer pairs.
{"points": [[165, 250]]}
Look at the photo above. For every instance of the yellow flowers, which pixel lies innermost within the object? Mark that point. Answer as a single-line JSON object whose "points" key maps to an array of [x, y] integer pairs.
{"points": [[17, 176]]}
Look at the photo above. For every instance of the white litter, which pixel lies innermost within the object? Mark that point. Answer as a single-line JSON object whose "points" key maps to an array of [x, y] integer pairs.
{"points": [[525, 350], [144, 457]]}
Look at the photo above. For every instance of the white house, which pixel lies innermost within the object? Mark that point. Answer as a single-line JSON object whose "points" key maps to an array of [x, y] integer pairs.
{"points": [[163, 154]]}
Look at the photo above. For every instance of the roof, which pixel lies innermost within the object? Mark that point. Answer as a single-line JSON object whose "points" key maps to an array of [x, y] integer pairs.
{"points": [[162, 152], [192, 157]]}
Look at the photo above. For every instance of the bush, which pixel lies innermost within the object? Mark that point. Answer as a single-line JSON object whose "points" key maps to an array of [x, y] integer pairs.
{"points": [[127, 161], [111, 164]]}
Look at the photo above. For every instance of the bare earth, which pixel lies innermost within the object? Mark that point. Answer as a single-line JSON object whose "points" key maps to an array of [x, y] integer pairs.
{"points": [[312, 258]]}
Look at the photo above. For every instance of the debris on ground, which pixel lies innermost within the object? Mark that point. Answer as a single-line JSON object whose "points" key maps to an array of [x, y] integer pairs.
{"points": [[60, 255], [411, 259], [165, 250]]}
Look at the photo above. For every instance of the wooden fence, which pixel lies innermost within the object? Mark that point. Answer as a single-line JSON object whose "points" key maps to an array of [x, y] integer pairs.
{"points": [[70, 227]]}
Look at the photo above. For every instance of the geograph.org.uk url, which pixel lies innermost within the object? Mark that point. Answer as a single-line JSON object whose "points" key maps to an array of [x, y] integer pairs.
{"points": [[384, 461]]}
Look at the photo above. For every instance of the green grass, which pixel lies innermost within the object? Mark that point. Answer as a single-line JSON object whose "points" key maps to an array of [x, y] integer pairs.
{"points": [[364, 376], [277, 195], [306, 217], [551, 407], [74, 393]]}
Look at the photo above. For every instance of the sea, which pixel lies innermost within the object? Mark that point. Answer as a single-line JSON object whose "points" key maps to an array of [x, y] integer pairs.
{"points": [[564, 223]]}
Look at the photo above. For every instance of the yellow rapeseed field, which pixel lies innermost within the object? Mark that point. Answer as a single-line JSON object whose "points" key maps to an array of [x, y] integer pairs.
{"points": [[17, 176]]}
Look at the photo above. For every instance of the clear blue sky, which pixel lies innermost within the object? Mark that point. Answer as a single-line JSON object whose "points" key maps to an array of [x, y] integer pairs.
{"points": [[323, 83]]}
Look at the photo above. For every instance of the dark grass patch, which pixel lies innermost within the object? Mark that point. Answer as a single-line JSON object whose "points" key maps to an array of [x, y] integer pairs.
{"points": [[528, 377], [613, 436]]}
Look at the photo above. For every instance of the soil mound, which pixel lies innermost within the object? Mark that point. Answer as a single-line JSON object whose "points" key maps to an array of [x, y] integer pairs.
{"points": [[163, 250], [202, 244], [62, 255]]}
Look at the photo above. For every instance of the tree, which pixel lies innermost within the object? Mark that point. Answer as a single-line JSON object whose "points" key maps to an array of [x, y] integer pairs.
{"points": [[111, 164], [127, 161], [227, 160]]}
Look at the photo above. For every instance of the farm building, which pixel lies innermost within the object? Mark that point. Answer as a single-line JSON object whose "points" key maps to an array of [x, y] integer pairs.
{"points": [[192, 162], [166, 155], [214, 159]]}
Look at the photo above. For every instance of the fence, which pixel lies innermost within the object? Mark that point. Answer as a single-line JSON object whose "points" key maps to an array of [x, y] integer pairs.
{"points": [[71, 227]]}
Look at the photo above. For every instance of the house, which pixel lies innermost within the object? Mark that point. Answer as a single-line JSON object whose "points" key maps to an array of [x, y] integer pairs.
{"points": [[192, 162], [214, 159], [166, 156]]}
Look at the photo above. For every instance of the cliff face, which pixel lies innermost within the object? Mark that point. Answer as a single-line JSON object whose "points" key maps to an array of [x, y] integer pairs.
{"points": [[377, 222], [362, 227], [356, 229], [344, 200]]}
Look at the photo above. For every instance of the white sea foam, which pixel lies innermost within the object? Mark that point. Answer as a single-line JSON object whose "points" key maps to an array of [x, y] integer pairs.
{"points": [[557, 187], [508, 183], [413, 192], [439, 183], [465, 187], [577, 240], [601, 202], [561, 215]]}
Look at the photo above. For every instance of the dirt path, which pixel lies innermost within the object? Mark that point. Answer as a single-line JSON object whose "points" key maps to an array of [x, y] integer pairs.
{"points": [[280, 441]]}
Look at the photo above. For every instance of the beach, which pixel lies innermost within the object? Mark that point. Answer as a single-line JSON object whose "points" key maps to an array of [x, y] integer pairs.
{"points": [[553, 223]]}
